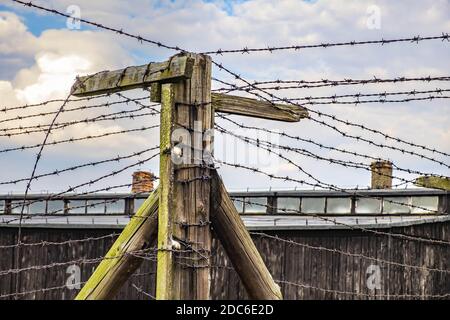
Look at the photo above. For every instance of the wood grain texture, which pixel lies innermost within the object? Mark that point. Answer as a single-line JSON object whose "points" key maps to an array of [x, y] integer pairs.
{"points": [[433, 182], [225, 283], [119, 264], [239, 245], [184, 210], [177, 68], [256, 108], [166, 204]]}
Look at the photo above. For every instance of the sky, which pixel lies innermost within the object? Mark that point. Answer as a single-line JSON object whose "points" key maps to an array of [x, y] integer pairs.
{"points": [[40, 55]]}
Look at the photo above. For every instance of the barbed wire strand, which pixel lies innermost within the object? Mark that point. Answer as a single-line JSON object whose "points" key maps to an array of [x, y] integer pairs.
{"points": [[344, 163], [76, 139], [346, 253], [84, 165], [304, 84], [355, 227], [85, 107], [100, 26], [320, 145], [335, 118]]}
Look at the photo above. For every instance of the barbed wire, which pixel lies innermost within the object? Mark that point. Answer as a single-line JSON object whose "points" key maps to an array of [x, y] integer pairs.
{"points": [[346, 253], [308, 99], [345, 122], [87, 164], [86, 107], [43, 290], [305, 84], [320, 145], [38, 157], [142, 291], [52, 215], [45, 243], [100, 26], [109, 116], [415, 39], [353, 227], [40, 290], [317, 182], [135, 253], [357, 102], [344, 163], [75, 139], [368, 295], [93, 181], [44, 103], [99, 119]]}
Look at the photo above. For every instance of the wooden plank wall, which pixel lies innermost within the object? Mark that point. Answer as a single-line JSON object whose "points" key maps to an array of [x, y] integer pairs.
{"points": [[323, 274]]}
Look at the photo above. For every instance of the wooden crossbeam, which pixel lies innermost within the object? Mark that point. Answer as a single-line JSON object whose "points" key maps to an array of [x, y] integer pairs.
{"points": [[183, 86], [257, 108], [239, 246], [119, 263], [433, 182], [179, 67]]}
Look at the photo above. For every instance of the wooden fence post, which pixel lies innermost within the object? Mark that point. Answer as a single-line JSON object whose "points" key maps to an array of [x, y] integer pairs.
{"points": [[184, 208], [120, 262]]}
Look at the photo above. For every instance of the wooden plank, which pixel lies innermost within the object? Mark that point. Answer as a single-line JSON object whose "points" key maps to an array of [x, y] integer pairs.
{"points": [[239, 245], [117, 266], [191, 194], [164, 289], [257, 108], [433, 182], [177, 68]]}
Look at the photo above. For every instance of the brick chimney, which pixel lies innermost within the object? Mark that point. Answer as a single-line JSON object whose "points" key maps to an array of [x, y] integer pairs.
{"points": [[142, 182], [381, 174]]}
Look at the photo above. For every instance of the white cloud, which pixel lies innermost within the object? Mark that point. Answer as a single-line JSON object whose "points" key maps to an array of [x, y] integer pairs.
{"points": [[57, 55]]}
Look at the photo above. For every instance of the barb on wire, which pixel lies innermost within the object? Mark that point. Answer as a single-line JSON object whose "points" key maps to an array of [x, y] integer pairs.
{"points": [[320, 145], [141, 291], [108, 116], [75, 139], [303, 84], [81, 261], [102, 105], [354, 192], [345, 122], [382, 95], [415, 39], [40, 290], [267, 145], [368, 295], [346, 253], [44, 103], [355, 227], [93, 181], [19, 233], [88, 164], [100, 26], [45, 243]]}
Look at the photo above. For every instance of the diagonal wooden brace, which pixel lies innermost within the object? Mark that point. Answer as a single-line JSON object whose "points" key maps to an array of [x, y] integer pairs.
{"points": [[239, 246], [120, 263]]}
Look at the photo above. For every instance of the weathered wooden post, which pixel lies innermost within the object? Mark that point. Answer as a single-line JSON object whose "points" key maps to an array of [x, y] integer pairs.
{"points": [[189, 186], [186, 113]]}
